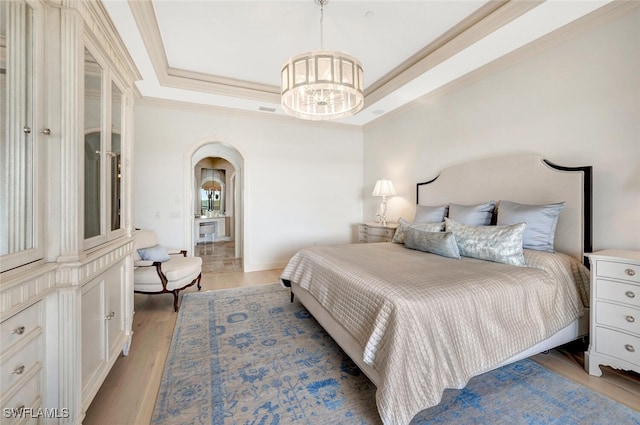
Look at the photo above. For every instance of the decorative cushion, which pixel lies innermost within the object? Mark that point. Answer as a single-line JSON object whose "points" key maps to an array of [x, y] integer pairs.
{"points": [[440, 243], [473, 215], [403, 225], [426, 214], [154, 253], [501, 244], [541, 222]]}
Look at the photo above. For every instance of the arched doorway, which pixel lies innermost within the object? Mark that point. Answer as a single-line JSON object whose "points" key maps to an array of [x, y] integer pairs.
{"points": [[233, 205]]}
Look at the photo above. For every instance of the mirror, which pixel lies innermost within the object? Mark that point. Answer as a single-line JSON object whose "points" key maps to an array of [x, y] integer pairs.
{"points": [[212, 189]]}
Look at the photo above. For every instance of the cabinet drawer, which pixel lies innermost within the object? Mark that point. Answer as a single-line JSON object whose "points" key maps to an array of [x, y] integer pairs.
{"points": [[615, 270], [618, 344], [21, 363], [18, 326], [618, 291], [378, 231], [618, 316]]}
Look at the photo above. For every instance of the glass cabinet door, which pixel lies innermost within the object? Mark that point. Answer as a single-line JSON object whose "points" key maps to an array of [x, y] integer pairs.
{"points": [[104, 107], [20, 194], [115, 154], [93, 148]]}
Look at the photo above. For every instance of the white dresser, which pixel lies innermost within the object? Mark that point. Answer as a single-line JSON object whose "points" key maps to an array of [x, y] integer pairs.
{"points": [[615, 311], [376, 232]]}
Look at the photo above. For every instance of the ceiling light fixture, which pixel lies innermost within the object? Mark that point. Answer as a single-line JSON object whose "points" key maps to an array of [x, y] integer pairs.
{"points": [[322, 84]]}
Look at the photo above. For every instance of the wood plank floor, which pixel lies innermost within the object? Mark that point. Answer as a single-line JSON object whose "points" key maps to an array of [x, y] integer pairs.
{"points": [[128, 395]]}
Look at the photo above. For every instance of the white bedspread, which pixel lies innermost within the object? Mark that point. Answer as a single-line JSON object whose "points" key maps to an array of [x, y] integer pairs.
{"points": [[426, 323]]}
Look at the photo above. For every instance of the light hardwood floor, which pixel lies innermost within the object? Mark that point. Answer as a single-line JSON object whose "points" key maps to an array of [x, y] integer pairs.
{"points": [[128, 395]]}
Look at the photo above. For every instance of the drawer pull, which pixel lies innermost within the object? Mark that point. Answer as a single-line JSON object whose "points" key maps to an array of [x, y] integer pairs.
{"points": [[110, 315], [19, 330], [630, 272], [630, 319], [630, 348], [630, 294], [19, 370]]}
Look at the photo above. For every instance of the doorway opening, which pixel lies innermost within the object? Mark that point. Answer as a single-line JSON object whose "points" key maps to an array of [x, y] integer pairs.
{"points": [[215, 207]]}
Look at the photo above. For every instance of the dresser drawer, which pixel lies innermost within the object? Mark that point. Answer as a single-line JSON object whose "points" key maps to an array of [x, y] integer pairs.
{"points": [[618, 291], [18, 326], [618, 344], [21, 363], [27, 397], [614, 270], [618, 316]]}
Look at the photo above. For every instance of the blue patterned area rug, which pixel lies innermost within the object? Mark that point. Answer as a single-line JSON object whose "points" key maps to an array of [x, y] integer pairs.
{"points": [[249, 356]]}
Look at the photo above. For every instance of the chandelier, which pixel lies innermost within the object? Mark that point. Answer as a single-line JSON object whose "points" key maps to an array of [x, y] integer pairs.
{"points": [[322, 84]]}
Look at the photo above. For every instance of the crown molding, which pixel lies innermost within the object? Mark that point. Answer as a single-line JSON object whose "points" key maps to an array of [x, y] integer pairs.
{"points": [[476, 26], [102, 28], [601, 16]]}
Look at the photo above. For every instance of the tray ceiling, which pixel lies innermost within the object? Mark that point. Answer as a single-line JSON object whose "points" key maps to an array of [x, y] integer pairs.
{"points": [[229, 53]]}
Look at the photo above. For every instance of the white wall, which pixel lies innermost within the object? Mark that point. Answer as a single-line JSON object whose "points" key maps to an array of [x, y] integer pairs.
{"points": [[303, 181], [577, 102]]}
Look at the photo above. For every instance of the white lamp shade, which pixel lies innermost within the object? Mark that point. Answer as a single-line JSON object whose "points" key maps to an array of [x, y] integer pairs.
{"points": [[384, 188]]}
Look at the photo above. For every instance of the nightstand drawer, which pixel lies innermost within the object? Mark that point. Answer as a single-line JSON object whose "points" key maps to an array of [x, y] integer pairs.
{"points": [[616, 270], [618, 316], [618, 291], [373, 238], [618, 345], [379, 231]]}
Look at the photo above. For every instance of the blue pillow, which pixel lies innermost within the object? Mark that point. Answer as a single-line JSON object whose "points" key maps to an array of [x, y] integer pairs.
{"points": [[440, 243], [426, 214], [541, 222], [472, 215], [154, 253]]}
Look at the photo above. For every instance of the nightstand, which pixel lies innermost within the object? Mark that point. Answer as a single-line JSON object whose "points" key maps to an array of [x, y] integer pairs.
{"points": [[615, 311], [376, 232]]}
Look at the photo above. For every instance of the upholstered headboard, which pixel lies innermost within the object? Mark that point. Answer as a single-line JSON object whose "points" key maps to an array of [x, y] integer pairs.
{"points": [[522, 178]]}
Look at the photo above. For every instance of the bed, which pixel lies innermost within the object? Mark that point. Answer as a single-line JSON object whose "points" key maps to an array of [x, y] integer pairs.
{"points": [[418, 322]]}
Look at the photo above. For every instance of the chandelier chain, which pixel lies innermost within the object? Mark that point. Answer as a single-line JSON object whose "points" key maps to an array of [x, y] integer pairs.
{"points": [[322, 2]]}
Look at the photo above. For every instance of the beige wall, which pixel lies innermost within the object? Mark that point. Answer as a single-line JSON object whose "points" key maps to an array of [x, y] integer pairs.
{"points": [[573, 99], [302, 180]]}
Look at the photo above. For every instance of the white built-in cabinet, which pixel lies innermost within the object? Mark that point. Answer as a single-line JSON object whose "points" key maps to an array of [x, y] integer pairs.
{"points": [[103, 328], [66, 282]]}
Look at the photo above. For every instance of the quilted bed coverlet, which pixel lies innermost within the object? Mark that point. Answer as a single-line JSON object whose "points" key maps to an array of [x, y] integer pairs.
{"points": [[426, 322]]}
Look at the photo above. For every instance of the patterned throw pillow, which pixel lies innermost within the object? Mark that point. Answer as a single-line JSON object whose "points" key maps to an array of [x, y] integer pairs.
{"points": [[440, 243], [501, 244], [403, 225], [541, 222]]}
